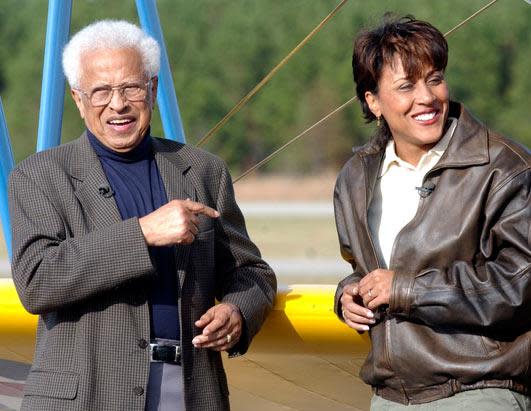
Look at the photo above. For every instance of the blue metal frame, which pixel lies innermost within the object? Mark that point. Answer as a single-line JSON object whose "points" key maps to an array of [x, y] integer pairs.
{"points": [[167, 100], [53, 92], [7, 163], [53, 81]]}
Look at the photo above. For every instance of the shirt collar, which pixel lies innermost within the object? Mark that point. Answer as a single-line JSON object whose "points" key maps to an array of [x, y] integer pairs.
{"points": [[141, 152], [391, 158]]}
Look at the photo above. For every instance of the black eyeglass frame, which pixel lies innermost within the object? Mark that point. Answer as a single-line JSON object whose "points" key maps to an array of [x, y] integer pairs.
{"points": [[121, 89]]}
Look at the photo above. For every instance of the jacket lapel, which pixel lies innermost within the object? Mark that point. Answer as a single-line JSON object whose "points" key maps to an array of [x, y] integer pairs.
{"points": [[469, 145], [86, 169], [174, 172], [371, 162]]}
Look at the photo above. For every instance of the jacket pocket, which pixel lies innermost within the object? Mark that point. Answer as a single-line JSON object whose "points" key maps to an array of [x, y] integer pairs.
{"points": [[53, 384]]}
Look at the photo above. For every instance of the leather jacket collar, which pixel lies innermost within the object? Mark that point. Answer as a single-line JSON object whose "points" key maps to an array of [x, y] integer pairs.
{"points": [[468, 146]]}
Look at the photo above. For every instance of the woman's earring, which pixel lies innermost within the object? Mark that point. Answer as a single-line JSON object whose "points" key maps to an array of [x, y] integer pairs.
{"points": [[378, 121]]}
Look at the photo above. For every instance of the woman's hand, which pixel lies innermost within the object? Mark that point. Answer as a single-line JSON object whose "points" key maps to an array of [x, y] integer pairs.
{"points": [[375, 288], [355, 315]]}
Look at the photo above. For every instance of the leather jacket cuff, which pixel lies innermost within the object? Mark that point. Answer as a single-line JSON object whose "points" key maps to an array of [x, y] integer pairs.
{"points": [[401, 294]]}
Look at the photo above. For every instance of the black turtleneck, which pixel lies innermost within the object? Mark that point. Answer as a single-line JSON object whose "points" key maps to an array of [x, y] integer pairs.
{"points": [[138, 190]]}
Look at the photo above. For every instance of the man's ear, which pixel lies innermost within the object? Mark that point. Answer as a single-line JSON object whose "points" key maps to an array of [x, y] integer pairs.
{"points": [[76, 96], [373, 103]]}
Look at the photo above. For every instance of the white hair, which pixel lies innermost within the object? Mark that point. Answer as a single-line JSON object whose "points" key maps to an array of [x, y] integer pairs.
{"points": [[109, 34]]}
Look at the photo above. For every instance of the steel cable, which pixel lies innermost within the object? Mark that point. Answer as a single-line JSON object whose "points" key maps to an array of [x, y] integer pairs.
{"points": [[270, 156], [465, 21], [341, 107], [268, 77]]}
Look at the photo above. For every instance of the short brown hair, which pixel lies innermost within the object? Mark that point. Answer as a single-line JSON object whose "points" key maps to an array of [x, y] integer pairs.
{"points": [[417, 43]]}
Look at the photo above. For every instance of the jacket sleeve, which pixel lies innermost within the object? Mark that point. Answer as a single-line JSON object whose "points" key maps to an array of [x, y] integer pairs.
{"points": [[245, 280], [346, 252], [53, 269], [494, 290]]}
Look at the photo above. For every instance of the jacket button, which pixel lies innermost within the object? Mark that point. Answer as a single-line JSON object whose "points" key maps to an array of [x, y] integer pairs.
{"points": [[138, 391], [142, 343]]}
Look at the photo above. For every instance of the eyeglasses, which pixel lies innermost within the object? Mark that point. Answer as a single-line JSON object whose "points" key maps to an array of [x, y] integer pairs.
{"points": [[101, 96]]}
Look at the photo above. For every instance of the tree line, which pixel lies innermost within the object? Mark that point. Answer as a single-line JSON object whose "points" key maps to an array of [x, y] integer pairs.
{"points": [[219, 50]]}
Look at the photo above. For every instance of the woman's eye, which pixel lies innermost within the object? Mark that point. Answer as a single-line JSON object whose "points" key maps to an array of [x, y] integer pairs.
{"points": [[435, 79], [405, 86]]}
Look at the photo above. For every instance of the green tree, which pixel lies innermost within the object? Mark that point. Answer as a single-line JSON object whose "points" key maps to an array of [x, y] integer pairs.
{"points": [[219, 49]]}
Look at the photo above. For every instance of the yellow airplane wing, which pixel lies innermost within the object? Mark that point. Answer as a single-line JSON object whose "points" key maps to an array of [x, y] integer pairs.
{"points": [[304, 358]]}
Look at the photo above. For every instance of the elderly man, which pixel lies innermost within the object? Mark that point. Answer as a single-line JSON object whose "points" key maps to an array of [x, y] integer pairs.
{"points": [[122, 243]]}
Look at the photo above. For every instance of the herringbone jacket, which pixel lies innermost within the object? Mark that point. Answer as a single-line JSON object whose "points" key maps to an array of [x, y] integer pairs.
{"points": [[86, 273]]}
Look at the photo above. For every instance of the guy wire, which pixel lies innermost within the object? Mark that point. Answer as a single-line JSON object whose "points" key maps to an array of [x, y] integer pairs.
{"points": [[280, 149], [270, 156], [481, 10], [268, 77]]}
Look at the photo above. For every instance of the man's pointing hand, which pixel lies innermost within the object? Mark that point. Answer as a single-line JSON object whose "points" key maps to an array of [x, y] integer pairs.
{"points": [[174, 223]]}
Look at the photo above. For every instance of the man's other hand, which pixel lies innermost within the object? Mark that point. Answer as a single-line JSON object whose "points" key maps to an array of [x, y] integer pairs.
{"points": [[174, 223], [222, 328]]}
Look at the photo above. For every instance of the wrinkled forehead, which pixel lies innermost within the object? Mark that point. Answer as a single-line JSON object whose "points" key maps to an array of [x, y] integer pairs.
{"points": [[111, 66]]}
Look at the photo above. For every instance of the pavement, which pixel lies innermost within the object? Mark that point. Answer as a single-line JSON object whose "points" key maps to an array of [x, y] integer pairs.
{"points": [[12, 379]]}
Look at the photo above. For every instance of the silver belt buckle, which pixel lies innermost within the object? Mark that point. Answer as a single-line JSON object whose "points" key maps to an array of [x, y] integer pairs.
{"points": [[177, 358], [151, 346]]}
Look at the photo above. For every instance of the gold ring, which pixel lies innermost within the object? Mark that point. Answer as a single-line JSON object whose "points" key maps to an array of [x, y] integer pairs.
{"points": [[229, 338]]}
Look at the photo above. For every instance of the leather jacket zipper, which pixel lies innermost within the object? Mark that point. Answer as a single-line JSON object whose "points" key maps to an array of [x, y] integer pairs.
{"points": [[388, 322], [387, 343], [387, 330]]}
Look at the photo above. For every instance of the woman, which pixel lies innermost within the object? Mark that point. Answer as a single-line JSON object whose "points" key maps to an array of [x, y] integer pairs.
{"points": [[434, 216]]}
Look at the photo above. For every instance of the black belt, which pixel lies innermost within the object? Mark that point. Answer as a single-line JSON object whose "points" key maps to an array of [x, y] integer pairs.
{"points": [[165, 353]]}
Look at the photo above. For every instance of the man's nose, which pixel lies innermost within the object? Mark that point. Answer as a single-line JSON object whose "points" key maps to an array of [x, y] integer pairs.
{"points": [[118, 101]]}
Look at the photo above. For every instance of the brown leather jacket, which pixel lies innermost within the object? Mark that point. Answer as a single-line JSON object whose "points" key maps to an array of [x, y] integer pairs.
{"points": [[460, 311]]}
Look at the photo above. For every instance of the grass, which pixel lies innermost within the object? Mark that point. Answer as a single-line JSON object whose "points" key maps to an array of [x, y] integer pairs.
{"points": [[294, 237], [283, 237], [299, 238]]}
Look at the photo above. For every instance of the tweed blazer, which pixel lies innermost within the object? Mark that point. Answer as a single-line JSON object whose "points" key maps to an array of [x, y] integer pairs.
{"points": [[87, 273]]}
